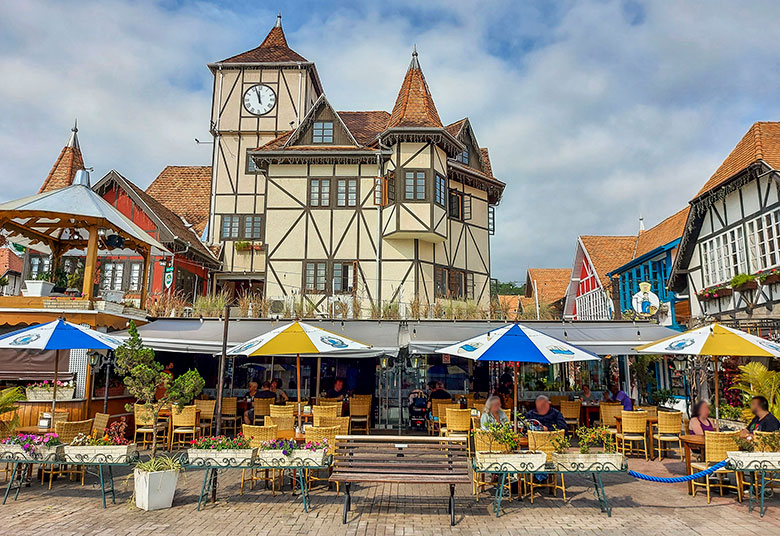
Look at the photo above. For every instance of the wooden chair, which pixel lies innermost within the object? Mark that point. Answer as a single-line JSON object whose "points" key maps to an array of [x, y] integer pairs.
{"points": [[285, 426], [145, 425], [323, 411], [571, 410], [607, 413], [256, 436], [230, 416], [716, 445], [543, 441], [100, 424], [443, 415], [633, 430], [262, 409], [282, 411], [360, 414], [67, 432], [668, 431], [185, 424], [207, 409], [341, 422]]}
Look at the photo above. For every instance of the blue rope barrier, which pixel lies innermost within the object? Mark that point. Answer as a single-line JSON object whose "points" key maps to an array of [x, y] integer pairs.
{"points": [[671, 480]]}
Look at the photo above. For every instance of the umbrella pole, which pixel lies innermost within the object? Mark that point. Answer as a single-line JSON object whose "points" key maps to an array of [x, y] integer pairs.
{"points": [[515, 399], [56, 379], [298, 386], [317, 382], [220, 387], [717, 388]]}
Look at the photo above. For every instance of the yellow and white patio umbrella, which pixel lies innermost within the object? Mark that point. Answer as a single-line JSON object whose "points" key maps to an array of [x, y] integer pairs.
{"points": [[297, 338]]}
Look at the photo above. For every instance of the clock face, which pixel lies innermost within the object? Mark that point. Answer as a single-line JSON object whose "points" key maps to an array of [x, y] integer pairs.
{"points": [[259, 99]]}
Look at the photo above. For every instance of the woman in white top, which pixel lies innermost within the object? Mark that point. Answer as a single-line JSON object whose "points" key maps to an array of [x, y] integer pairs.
{"points": [[492, 414]]}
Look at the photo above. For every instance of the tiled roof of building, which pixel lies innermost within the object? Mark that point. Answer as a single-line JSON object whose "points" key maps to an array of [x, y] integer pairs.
{"points": [[414, 105], [273, 49], [186, 191], [762, 142], [10, 261], [486, 161], [551, 283], [512, 304], [667, 231], [608, 252], [64, 169], [365, 126], [455, 128]]}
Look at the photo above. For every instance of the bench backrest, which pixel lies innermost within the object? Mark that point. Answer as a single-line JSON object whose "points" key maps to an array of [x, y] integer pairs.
{"points": [[401, 455]]}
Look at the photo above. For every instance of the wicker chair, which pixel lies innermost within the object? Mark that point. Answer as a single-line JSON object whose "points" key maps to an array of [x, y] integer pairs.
{"points": [[322, 401], [284, 425], [543, 441], [652, 411], [318, 433], [360, 414], [101, 423], [571, 411], [185, 424], [716, 445], [607, 413], [207, 409], [556, 400], [362, 397], [318, 412], [633, 430], [230, 416], [484, 442], [443, 415], [258, 435], [668, 431], [281, 411], [341, 422], [59, 415], [433, 420], [262, 409], [145, 425], [67, 432]]}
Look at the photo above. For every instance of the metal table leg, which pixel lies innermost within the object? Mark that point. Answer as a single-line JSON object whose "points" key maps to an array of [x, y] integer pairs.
{"points": [[499, 495], [11, 482], [203, 487], [111, 481], [761, 509], [602, 497], [304, 489], [102, 484]]}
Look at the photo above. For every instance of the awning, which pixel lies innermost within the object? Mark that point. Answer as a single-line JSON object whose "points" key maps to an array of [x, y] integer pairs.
{"points": [[195, 336], [33, 365], [601, 338]]}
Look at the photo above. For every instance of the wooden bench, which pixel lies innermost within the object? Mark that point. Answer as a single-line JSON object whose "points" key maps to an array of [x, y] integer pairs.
{"points": [[400, 460]]}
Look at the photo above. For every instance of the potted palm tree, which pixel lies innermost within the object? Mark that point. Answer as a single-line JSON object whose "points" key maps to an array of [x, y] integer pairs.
{"points": [[145, 379]]}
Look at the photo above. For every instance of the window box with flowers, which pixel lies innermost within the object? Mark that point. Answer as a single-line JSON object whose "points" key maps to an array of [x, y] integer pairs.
{"points": [[715, 292], [769, 277], [497, 450], [45, 390], [760, 451], [287, 453], [112, 447], [585, 460], [221, 451], [744, 282], [46, 447]]}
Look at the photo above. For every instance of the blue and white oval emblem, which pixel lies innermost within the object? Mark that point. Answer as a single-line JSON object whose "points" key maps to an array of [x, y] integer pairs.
{"points": [[680, 344], [335, 342], [24, 340]]}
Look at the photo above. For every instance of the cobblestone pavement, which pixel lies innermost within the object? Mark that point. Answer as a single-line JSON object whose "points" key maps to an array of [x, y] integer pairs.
{"points": [[638, 508]]}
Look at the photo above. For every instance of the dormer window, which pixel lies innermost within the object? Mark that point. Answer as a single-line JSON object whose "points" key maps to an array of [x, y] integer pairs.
{"points": [[464, 156], [323, 132]]}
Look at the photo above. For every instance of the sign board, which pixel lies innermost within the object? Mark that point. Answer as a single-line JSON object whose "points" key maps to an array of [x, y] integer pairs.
{"points": [[446, 359], [645, 303], [168, 276]]}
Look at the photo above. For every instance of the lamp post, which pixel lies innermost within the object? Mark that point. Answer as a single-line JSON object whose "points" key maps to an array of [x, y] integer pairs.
{"points": [[98, 361]]}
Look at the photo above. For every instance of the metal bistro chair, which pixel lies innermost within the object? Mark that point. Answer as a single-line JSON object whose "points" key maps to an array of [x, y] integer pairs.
{"points": [[318, 412], [716, 445], [207, 409], [668, 431], [185, 423], [100, 424], [543, 441], [145, 425], [230, 417], [571, 411], [67, 432], [262, 409], [360, 414], [258, 435], [633, 430], [483, 442]]}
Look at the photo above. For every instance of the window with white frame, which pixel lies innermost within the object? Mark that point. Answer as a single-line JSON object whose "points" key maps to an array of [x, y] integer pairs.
{"points": [[346, 192], [314, 280], [763, 241], [323, 132], [135, 276], [723, 257], [594, 305], [113, 273]]}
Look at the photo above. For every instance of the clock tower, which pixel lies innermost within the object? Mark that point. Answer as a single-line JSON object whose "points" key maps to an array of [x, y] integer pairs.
{"points": [[257, 96]]}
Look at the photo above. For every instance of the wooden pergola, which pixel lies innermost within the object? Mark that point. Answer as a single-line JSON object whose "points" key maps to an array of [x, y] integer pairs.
{"points": [[77, 218]]}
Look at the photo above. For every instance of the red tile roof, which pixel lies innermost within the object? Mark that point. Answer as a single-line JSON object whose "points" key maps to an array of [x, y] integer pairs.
{"points": [[551, 283], [608, 253], [667, 231], [414, 105], [64, 169], [10, 261], [273, 50], [185, 191], [365, 126], [762, 142], [455, 128], [486, 161]]}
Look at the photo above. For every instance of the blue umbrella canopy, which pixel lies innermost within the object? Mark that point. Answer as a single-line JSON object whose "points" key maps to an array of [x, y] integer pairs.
{"points": [[58, 335]]}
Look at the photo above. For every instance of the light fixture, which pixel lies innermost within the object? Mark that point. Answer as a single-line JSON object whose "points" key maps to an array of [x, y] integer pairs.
{"points": [[94, 358], [680, 362]]}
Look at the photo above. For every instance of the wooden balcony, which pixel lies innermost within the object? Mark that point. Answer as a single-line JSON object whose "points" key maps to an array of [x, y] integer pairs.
{"points": [[28, 310]]}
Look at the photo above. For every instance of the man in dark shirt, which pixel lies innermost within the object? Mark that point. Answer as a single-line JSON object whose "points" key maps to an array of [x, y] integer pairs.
{"points": [[337, 391], [437, 393], [763, 420], [549, 417], [265, 391]]}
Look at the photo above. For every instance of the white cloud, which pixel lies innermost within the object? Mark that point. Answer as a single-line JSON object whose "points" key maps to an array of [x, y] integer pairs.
{"points": [[594, 112]]}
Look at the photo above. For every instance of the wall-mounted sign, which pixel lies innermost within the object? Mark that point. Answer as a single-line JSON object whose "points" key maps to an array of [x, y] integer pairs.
{"points": [[168, 277], [645, 303]]}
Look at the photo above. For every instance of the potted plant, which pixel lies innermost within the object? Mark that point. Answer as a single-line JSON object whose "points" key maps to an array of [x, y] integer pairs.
{"points": [[154, 474], [507, 456], [744, 282], [585, 460], [46, 447], [221, 451], [286, 453], [242, 245], [769, 277], [311, 453], [144, 379], [761, 451], [40, 286], [257, 246], [45, 390], [715, 292], [111, 447]]}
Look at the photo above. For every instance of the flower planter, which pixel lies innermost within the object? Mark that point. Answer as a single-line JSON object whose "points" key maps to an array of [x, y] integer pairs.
{"points": [[99, 453], [771, 279], [43, 393], [16, 452], [221, 458], [749, 285], [35, 287], [519, 462], [308, 457], [109, 307], [717, 294], [298, 458], [155, 490], [754, 460], [600, 461]]}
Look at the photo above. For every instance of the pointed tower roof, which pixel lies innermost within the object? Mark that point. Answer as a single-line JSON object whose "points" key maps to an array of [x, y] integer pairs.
{"points": [[274, 49], [414, 106], [66, 166]]}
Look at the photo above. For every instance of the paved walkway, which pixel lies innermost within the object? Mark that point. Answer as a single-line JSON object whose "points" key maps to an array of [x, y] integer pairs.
{"points": [[639, 508]]}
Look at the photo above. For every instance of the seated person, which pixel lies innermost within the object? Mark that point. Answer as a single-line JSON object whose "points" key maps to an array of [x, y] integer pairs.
{"points": [[619, 395], [437, 393], [337, 391], [249, 413], [606, 396], [700, 421], [587, 394], [492, 414], [279, 393], [763, 420], [549, 417]]}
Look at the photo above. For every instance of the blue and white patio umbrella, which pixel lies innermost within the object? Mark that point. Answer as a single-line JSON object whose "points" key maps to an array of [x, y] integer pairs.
{"points": [[57, 335]]}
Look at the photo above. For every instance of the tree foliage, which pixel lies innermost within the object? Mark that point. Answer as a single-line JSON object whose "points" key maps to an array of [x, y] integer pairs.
{"points": [[511, 288], [757, 380]]}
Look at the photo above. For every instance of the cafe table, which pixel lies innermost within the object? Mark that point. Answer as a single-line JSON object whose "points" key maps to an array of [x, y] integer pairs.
{"points": [[34, 429], [589, 409], [691, 442], [651, 420]]}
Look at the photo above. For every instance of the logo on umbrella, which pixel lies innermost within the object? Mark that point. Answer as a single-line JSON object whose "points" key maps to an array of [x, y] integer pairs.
{"points": [[24, 340], [241, 349], [770, 345], [109, 339], [560, 350], [679, 344], [470, 346], [335, 342]]}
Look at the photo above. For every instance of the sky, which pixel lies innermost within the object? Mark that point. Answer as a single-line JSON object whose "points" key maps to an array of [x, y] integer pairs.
{"points": [[595, 112]]}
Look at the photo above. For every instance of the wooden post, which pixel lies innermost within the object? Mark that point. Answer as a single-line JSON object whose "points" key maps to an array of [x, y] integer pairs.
{"points": [[90, 264], [220, 388], [145, 279]]}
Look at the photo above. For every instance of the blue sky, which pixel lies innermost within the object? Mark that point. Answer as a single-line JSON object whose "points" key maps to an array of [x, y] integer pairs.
{"points": [[595, 112]]}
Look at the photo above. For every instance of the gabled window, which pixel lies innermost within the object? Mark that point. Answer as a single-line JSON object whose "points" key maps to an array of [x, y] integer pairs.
{"points": [[464, 156], [319, 193], [440, 194], [322, 132], [414, 188]]}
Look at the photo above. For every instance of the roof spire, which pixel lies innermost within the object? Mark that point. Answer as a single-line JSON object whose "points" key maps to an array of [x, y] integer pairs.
{"points": [[414, 105], [641, 224], [415, 64], [279, 19], [67, 164], [73, 141]]}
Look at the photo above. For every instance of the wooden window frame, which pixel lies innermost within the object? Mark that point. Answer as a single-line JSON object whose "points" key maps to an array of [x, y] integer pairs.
{"points": [[320, 125], [440, 191], [241, 231], [343, 276], [315, 277], [323, 200], [349, 201], [455, 205], [223, 218], [416, 190]]}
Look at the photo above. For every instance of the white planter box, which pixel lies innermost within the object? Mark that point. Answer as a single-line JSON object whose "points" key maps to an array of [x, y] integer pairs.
{"points": [[299, 458], [520, 462], [114, 296], [16, 452], [99, 453], [37, 287], [755, 460], [308, 457], [155, 490], [599, 461], [221, 458], [109, 307], [40, 393]]}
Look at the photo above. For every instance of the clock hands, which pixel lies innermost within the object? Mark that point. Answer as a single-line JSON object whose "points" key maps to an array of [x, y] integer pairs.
{"points": [[259, 96]]}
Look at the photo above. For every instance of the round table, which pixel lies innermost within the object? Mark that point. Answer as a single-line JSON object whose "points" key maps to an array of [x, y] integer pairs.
{"points": [[689, 442]]}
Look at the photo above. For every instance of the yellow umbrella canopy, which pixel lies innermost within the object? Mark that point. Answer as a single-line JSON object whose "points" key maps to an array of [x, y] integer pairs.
{"points": [[715, 340]]}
